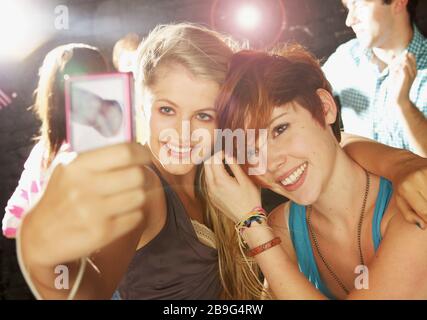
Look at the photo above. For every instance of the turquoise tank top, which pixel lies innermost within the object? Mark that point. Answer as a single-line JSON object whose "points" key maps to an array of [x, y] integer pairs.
{"points": [[301, 239]]}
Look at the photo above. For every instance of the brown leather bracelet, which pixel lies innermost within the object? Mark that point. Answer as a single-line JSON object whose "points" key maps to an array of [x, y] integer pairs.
{"points": [[257, 250]]}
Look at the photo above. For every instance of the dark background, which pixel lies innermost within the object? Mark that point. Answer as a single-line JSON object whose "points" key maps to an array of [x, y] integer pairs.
{"points": [[317, 24]]}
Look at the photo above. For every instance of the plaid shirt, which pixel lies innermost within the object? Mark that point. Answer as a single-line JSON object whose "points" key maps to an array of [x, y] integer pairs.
{"points": [[362, 89]]}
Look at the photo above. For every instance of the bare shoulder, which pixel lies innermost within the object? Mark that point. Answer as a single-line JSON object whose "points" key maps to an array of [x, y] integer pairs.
{"points": [[398, 270], [278, 221]]}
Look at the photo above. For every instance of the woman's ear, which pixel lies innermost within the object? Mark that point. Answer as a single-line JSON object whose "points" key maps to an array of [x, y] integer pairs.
{"points": [[399, 6], [329, 106]]}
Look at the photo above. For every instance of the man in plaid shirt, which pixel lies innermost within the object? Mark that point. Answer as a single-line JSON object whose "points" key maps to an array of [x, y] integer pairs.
{"points": [[380, 76]]}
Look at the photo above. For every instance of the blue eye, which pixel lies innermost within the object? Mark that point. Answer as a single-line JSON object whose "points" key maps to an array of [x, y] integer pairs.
{"points": [[166, 110], [278, 130], [204, 117]]}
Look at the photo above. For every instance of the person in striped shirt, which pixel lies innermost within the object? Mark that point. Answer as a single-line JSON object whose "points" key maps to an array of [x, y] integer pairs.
{"points": [[380, 77]]}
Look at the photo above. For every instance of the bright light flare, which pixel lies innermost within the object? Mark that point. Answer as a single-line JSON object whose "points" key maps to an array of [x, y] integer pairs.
{"points": [[19, 34], [248, 17]]}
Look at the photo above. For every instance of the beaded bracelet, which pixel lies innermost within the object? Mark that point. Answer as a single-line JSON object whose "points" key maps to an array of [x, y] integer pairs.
{"points": [[257, 214]]}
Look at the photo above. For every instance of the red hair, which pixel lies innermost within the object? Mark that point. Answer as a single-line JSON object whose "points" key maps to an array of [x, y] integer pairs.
{"points": [[257, 82]]}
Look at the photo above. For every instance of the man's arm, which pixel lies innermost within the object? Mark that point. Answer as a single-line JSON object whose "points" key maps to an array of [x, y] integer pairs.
{"points": [[403, 71]]}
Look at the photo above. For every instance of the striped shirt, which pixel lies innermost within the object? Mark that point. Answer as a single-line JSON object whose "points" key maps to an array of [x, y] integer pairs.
{"points": [[362, 89]]}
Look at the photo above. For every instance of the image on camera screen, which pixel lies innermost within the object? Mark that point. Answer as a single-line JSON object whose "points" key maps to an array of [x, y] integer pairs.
{"points": [[99, 111]]}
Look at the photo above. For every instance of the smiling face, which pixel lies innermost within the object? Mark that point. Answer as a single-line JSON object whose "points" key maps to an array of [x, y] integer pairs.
{"points": [[300, 153], [288, 96], [177, 106], [371, 21]]}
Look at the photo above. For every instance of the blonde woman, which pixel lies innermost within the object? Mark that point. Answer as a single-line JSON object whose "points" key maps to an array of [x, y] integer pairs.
{"points": [[143, 209], [139, 214]]}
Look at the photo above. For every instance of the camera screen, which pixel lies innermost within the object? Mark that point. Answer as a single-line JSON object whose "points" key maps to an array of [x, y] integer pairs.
{"points": [[99, 110]]}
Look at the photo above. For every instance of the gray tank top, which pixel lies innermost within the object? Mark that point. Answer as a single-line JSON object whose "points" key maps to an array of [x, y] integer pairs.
{"points": [[175, 264]]}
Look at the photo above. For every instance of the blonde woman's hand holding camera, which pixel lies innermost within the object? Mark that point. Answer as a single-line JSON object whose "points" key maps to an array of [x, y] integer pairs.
{"points": [[87, 204]]}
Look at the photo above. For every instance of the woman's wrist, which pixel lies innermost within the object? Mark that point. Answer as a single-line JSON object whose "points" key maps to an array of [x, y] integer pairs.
{"points": [[33, 240], [253, 228], [29, 248], [257, 235], [255, 215], [405, 104], [27, 252], [244, 213]]}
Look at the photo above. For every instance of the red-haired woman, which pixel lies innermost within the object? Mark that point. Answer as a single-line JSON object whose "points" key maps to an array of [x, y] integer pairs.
{"points": [[341, 235]]}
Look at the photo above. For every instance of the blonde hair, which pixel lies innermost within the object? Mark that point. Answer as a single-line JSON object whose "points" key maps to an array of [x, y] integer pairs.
{"points": [[240, 275], [206, 54]]}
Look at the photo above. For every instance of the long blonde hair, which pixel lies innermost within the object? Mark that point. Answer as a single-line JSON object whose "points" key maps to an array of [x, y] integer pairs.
{"points": [[206, 54]]}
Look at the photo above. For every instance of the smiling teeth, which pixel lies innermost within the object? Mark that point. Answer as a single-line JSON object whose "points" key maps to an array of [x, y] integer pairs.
{"points": [[178, 149], [291, 179]]}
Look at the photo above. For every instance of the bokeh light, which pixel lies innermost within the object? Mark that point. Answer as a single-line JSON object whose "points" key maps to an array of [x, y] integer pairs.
{"points": [[248, 17]]}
